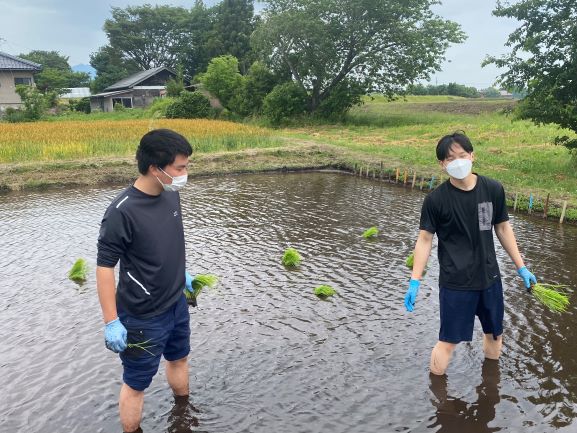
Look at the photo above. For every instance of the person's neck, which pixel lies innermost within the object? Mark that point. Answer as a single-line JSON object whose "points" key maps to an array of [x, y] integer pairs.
{"points": [[148, 184], [466, 184]]}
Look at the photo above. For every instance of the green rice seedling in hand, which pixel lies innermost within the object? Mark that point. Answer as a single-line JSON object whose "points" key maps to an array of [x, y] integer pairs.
{"points": [[78, 271], [371, 233], [324, 291], [291, 258], [199, 282], [551, 296], [143, 345]]}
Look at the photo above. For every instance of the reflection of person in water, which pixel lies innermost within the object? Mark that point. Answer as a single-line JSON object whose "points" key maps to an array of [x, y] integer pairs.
{"points": [[182, 417], [457, 416]]}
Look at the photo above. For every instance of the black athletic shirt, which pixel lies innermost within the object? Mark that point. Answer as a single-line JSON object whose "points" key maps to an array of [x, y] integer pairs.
{"points": [[463, 222], [145, 233]]}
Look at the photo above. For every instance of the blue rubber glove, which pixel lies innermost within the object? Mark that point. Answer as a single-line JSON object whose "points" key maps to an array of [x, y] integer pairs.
{"points": [[115, 336], [411, 295], [527, 276], [188, 282]]}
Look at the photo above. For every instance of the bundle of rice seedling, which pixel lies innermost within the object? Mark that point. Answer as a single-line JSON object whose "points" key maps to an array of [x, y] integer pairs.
{"points": [[78, 271], [199, 282], [291, 258], [143, 345], [324, 291], [551, 296], [371, 232], [410, 261]]}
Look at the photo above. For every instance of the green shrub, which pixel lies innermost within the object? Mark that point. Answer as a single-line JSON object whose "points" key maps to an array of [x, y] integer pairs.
{"points": [[80, 105], [159, 106], [222, 78], [119, 107], [190, 105], [256, 84], [286, 100], [344, 96], [12, 115]]}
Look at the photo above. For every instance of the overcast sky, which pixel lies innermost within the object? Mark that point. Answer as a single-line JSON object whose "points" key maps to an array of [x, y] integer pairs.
{"points": [[74, 28]]}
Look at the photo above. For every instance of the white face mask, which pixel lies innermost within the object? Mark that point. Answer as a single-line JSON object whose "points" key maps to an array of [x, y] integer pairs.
{"points": [[459, 168], [178, 182]]}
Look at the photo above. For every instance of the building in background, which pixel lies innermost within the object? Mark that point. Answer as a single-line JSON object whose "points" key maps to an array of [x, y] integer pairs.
{"points": [[14, 71]]}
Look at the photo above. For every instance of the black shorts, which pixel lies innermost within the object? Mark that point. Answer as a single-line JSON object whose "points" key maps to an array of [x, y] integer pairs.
{"points": [[165, 335], [458, 309]]}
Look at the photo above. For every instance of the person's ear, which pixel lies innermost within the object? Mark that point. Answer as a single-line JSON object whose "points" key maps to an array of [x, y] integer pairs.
{"points": [[153, 169], [472, 156]]}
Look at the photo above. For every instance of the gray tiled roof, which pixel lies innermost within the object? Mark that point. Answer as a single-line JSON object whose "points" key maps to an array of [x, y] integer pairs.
{"points": [[17, 64], [133, 80]]}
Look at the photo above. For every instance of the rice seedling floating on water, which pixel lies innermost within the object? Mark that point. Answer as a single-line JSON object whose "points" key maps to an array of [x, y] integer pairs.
{"points": [[78, 271], [371, 232], [551, 296], [199, 282], [291, 258], [410, 261], [324, 291]]}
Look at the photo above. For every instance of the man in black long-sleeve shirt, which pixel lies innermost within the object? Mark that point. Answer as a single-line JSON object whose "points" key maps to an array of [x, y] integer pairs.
{"points": [[142, 228]]}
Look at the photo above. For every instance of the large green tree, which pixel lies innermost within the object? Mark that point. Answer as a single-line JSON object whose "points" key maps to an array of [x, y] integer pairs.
{"points": [[151, 36], [110, 67], [56, 73], [233, 23], [374, 45], [543, 60]]}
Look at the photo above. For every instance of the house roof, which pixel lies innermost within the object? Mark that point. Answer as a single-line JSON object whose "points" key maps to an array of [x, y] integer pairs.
{"points": [[135, 79], [8, 62], [114, 93]]}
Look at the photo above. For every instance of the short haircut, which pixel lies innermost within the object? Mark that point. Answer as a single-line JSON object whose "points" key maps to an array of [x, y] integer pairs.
{"points": [[444, 145], [159, 147]]}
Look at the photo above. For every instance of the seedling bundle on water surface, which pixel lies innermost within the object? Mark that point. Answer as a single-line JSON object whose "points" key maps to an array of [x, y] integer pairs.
{"points": [[325, 291], [551, 296], [410, 261], [371, 232], [291, 258], [78, 271]]}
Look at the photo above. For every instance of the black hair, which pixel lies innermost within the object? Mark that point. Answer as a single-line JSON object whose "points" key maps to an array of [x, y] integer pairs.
{"points": [[444, 145], [159, 147]]}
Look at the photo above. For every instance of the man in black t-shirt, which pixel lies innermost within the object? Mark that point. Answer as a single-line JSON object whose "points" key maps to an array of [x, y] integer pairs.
{"points": [[463, 212], [146, 316]]}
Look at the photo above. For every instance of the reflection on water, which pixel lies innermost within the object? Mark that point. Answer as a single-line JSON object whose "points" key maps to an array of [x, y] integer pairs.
{"points": [[267, 355], [456, 415]]}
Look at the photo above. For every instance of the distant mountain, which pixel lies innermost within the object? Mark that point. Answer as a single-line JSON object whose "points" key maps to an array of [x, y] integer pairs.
{"points": [[85, 68]]}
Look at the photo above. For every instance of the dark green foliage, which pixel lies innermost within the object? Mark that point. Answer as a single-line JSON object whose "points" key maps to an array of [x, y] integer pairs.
{"points": [[110, 67], [379, 45], [222, 78], [543, 61], [35, 104], [189, 105], [452, 89], [286, 100], [12, 115], [255, 85], [81, 105], [56, 73], [345, 95], [151, 36]]}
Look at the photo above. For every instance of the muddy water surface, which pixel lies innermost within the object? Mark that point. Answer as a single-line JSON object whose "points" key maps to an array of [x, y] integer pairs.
{"points": [[267, 355]]}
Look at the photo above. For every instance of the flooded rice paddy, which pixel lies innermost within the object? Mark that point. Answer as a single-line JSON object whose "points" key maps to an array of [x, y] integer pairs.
{"points": [[267, 354]]}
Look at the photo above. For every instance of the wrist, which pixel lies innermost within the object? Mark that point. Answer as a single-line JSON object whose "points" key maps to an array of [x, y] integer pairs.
{"points": [[109, 322]]}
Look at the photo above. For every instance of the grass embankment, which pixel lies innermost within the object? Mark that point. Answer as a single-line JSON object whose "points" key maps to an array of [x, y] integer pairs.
{"points": [[99, 148]]}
